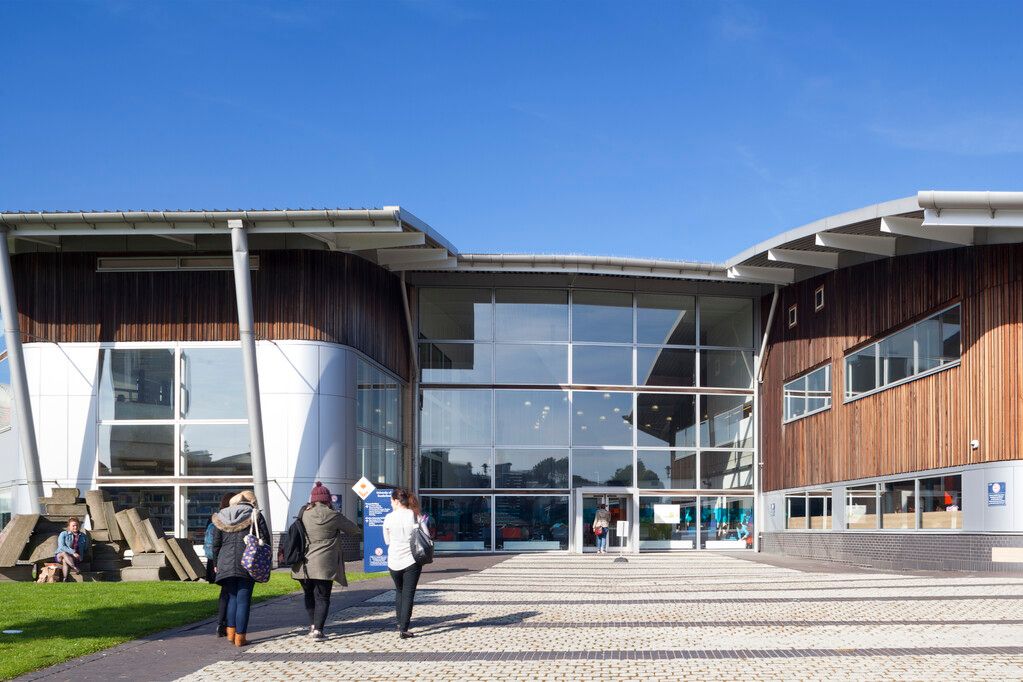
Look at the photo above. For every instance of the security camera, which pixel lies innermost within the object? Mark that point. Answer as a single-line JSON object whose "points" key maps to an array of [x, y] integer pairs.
{"points": [[974, 444]]}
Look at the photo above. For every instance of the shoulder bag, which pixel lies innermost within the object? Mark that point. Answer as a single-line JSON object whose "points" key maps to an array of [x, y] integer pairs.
{"points": [[257, 557], [421, 544]]}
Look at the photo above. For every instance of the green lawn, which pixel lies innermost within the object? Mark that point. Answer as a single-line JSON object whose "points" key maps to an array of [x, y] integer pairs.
{"points": [[65, 620]]}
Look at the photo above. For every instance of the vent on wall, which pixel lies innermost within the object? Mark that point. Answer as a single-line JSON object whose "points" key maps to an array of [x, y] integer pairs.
{"points": [[167, 263]]}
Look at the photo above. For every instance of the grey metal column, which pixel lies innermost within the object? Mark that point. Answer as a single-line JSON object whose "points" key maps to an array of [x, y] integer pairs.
{"points": [[19, 379], [243, 290]]}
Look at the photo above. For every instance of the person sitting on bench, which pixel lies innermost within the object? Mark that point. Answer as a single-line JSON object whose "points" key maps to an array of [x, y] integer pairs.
{"points": [[72, 544]]}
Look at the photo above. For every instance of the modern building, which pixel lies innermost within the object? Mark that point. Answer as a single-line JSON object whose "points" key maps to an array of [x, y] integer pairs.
{"points": [[848, 390]]}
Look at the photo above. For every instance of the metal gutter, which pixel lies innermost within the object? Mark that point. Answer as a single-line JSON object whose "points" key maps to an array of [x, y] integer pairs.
{"points": [[991, 201], [536, 260], [59, 218]]}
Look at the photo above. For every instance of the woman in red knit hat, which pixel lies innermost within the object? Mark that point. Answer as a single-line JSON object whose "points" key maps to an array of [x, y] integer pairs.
{"points": [[322, 563]]}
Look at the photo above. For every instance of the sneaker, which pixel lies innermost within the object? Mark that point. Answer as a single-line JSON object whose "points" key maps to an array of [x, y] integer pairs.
{"points": [[406, 635], [317, 635]]}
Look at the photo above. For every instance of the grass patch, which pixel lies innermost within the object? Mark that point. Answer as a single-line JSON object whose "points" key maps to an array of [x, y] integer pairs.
{"points": [[66, 620]]}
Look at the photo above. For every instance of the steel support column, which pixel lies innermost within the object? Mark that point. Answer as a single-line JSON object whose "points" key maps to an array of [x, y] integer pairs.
{"points": [[246, 332], [19, 378]]}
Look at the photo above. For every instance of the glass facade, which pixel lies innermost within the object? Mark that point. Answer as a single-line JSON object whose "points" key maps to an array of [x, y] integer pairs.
{"points": [[528, 394], [378, 436]]}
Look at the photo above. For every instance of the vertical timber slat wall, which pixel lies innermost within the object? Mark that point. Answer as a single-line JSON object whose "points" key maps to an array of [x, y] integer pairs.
{"points": [[297, 295], [923, 424]]}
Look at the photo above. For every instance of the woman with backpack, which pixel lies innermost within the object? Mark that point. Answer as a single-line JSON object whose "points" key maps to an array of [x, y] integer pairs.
{"points": [[322, 562], [211, 569], [231, 525], [399, 525]]}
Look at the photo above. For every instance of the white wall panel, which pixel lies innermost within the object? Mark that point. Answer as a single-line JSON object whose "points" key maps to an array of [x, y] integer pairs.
{"points": [[53, 366], [32, 352], [288, 368], [51, 416], [81, 438], [83, 363], [335, 377], [337, 437]]}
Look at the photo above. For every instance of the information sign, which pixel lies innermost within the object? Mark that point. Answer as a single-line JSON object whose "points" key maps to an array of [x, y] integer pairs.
{"points": [[667, 513], [376, 505], [996, 494]]}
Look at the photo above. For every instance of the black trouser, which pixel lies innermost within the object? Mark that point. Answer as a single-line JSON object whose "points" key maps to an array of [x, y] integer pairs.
{"points": [[405, 582], [317, 601], [222, 606]]}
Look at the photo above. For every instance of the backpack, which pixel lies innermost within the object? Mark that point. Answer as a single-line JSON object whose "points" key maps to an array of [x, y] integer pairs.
{"points": [[293, 545]]}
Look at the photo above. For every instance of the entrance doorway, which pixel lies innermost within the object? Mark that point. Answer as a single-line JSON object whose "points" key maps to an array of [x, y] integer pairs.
{"points": [[619, 506]]}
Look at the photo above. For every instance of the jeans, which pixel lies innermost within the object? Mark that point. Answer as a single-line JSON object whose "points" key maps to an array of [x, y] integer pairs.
{"points": [[239, 598], [317, 601], [602, 541], [405, 582]]}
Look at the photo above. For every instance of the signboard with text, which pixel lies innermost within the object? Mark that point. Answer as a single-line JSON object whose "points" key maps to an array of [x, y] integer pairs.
{"points": [[375, 507], [996, 494]]}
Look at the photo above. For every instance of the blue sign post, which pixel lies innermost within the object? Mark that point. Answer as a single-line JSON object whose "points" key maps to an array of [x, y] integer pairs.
{"points": [[375, 507]]}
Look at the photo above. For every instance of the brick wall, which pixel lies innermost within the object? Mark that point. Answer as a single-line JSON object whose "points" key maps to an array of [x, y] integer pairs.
{"points": [[919, 551]]}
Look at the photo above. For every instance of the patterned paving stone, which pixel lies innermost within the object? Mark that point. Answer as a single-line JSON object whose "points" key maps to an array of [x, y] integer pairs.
{"points": [[663, 617]]}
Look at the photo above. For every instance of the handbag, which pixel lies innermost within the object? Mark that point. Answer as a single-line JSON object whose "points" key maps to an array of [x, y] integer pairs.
{"points": [[598, 531], [257, 557], [421, 544]]}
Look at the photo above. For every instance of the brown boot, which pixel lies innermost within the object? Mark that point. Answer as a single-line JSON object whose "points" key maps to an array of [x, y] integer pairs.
{"points": [[230, 634], [239, 639]]}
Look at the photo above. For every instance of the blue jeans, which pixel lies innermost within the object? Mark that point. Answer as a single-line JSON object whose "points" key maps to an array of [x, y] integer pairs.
{"points": [[239, 598], [602, 541]]}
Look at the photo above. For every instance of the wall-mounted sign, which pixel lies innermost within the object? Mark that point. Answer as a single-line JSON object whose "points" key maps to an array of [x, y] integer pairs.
{"points": [[996, 494], [667, 513]]}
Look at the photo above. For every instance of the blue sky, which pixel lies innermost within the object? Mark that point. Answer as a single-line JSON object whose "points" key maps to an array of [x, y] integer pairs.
{"points": [[652, 129]]}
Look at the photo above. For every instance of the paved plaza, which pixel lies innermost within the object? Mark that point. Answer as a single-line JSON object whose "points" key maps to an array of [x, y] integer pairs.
{"points": [[663, 617]]}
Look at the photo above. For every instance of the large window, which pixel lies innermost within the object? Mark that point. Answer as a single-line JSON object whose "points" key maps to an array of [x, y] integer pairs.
{"points": [[157, 501], [535, 522], [201, 503], [861, 507], [667, 522], [808, 394], [175, 411], [808, 510], [378, 425], [921, 348], [460, 522], [941, 503], [726, 522]]}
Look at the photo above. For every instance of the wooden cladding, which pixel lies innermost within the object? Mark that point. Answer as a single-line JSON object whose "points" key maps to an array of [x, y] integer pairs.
{"points": [[922, 424], [302, 295]]}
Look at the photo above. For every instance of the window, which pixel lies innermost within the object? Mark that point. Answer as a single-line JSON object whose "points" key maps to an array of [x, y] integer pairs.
{"points": [[726, 470], [602, 316], [807, 394], [521, 363], [793, 315], [455, 468], [795, 512], [726, 322], [666, 469], [602, 467], [726, 522], [517, 468], [456, 314], [667, 522], [456, 417], [531, 418], [534, 522], [808, 510], [726, 368], [666, 319], [818, 299], [923, 347], [941, 503], [726, 421], [601, 419], [666, 420], [460, 522], [378, 438], [532, 315], [898, 504], [201, 502], [157, 501], [457, 363], [602, 365], [861, 507]]}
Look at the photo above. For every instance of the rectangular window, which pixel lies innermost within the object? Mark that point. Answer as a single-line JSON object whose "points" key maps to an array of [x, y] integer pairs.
{"points": [[531, 522], [923, 347], [726, 368], [531, 418], [795, 512], [726, 322], [136, 450], [665, 367], [666, 420], [460, 523], [941, 503], [727, 522], [532, 315], [807, 394], [519, 363], [602, 365], [213, 384], [456, 417], [216, 450], [726, 421], [818, 299], [666, 319], [136, 384], [455, 468], [819, 506], [380, 459], [158, 502], [861, 507], [667, 522], [601, 418], [898, 504], [604, 316], [532, 468], [602, 467], [456, 314], [201, 502], [457, 363], [726, 470], [666, 469]]}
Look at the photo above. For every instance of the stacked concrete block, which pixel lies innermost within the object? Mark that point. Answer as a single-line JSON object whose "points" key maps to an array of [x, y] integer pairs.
{"points": [[15, 537]]}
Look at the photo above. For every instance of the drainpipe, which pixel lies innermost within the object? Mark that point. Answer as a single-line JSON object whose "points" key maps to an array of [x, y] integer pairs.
{"points": [[246, 332], [19, 378]]}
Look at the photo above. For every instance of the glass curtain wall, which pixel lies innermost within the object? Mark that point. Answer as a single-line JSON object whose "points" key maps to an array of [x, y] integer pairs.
{"points": [[528, 393]]}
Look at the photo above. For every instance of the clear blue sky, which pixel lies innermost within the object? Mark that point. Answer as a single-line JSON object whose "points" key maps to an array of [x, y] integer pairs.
{"points": [[653, 129]]}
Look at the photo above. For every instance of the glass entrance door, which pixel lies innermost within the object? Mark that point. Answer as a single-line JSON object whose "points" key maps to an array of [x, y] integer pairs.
{"points": [[618, 506]]}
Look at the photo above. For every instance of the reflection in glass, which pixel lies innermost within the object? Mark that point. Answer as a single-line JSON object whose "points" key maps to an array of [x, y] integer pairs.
{"points": [[667, 522], [726, 470], [531, 364], [532, 417], [459, 523], [666, 319], [532, 315], [665, 469], [665, 367], [601, 418], [818, 389], [602, 467], [726, 421], [216, 450], [456, 363], [602, 365], [214, 384], [666, 419], [726, 322], [941, 502], [726, 368], [898, 502], [861, 371], [897, 354], [795, 512], [378, 401], [536, 522], [820, 509], [126, 450], [202, 502], [456, 417], [861, 506], [136, 384], [379, 458], [531, 468], [158, 503], [726, 522], [602, 316], [455, 314], [455, 468], [939, 339]]}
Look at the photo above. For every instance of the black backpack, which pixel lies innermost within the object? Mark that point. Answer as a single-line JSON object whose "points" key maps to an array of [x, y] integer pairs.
{"points": [[293, 545]]}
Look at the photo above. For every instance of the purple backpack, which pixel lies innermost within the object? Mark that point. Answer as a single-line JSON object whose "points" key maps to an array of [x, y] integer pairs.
{"points": [[257, 559]]}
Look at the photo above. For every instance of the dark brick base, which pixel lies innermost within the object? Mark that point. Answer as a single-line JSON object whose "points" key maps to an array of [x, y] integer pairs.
{"points": [[915, 551]]}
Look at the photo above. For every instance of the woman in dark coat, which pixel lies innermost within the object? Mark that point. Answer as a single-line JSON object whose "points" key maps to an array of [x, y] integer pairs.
{"points": [[322, 563], [231, 527], [211, 569]]}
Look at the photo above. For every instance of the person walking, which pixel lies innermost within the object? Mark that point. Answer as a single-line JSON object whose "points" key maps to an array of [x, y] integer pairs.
{"points": [[398, 527], [601, 527], [231, 526], [322, 563], [211, 569], [72, 544]]}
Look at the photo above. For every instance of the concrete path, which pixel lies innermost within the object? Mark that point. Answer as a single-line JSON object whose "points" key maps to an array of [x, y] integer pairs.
{"points": [[700, 616]]}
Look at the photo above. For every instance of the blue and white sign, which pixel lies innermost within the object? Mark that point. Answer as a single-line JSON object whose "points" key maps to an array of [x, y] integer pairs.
{"points": [[375, 507], [996, 494]]}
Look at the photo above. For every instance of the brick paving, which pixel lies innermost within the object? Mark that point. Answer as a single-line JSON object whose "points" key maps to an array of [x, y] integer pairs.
{"points": [[700, 616]]}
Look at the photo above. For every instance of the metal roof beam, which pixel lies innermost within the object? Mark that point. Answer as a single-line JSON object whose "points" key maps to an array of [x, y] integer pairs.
{"points": [[914, 227], [186, 239], [391, 256], [756, 273], [880, 246], [329, 240], [814, 259], [365, 242], [444, 264], [43, 241]]}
